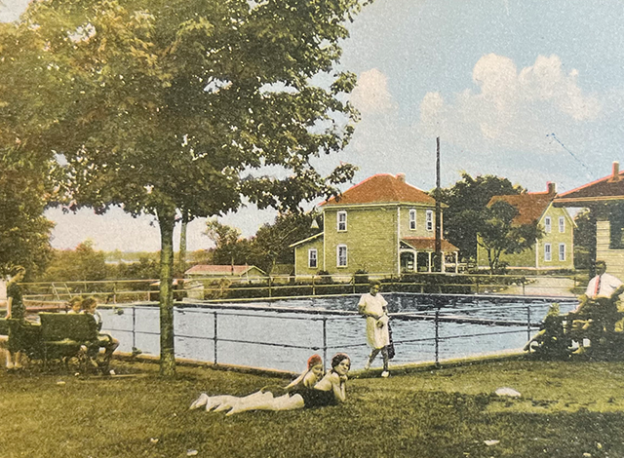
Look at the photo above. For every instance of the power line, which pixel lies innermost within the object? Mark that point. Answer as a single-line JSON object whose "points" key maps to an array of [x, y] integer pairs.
{"points": [[589, 172]]}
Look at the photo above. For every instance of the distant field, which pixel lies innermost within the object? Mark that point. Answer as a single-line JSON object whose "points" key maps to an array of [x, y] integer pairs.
{"points": [[571, 409]]}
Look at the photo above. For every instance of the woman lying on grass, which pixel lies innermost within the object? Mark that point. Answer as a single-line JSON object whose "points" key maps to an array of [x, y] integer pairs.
{"points": [[311, 376], [330, 390]]}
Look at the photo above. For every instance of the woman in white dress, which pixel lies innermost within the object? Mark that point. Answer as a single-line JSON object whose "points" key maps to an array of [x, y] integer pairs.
{"points": [[375, 308]]}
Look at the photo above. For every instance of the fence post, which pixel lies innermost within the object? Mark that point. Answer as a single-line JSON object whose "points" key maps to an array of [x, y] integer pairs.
{"points": [[477, 285], [523, 285], [528, 323], [270, 281], [324, 342], [313, 285], [215, 337], [437, 337], [133, 328], [115, 293]]}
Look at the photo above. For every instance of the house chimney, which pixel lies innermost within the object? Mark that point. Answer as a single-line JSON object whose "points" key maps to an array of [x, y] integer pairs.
{"points": [[615, 175], [551, 187], [400, 177]]}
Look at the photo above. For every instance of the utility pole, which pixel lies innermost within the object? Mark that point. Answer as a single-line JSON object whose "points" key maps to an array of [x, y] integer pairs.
{"points": [[438, 215]]}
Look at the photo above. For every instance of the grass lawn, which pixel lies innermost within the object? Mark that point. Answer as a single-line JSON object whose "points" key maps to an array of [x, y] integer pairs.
{"points": [[571, 409]]}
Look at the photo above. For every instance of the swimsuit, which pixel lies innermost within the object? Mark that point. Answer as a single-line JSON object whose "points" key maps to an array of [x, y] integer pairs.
{"points": [[316, 398]]}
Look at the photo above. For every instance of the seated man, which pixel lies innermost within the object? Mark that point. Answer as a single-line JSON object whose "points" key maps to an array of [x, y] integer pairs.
{"points": [[105, 341], [597, 311]]}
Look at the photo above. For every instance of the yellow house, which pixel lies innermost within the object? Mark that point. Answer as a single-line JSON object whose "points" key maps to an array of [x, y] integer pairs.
{"points": [[382, 226], [556, 249]]}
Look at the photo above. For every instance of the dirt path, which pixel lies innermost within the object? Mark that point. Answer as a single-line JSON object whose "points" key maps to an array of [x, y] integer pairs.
{"points": [[544, 286]]}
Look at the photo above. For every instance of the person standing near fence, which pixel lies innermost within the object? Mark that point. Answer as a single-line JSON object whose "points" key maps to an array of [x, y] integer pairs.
{"points": [[374, 307], [16, 311]]}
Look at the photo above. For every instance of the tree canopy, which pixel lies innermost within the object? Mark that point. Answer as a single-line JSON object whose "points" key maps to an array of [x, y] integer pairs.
{"points": [[466, 200], [25, 169], [585, 240], [498, 234], [164, 105], [85, 263], [274, 240]]}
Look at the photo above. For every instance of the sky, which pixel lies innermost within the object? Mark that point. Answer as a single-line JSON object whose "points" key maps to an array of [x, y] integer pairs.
{"points": [[528, 90]]}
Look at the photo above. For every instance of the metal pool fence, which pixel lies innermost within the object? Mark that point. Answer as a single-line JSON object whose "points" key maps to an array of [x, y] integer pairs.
{"points": [[273, 337], [275, 287]]}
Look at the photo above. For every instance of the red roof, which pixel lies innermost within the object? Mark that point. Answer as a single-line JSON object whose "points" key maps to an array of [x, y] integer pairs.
{"points": [[428, 244], [204, 269], [531, 205], [381, 188], [608, 188]]}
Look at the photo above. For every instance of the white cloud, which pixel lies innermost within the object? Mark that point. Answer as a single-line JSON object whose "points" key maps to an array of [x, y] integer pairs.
{"points": [[371, 95], [510, 110]]}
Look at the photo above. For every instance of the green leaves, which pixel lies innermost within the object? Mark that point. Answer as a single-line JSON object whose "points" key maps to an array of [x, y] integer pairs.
{"points": [[164, 105], [466, 201], [498, 234]]}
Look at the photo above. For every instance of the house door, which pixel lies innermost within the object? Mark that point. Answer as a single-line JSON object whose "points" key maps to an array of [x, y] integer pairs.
{"points": [[422, 260], [407, 261]]}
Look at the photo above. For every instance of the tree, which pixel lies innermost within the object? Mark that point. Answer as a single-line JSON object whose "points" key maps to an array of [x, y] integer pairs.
{"points": [[179, 104], [584, 240], [274, 240], [499, 235], [25, 187], [466, 199], [82, 264], [182, 251], [230, 248]]}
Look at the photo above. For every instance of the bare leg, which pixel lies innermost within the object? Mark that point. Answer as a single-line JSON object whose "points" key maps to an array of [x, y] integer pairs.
{"points": [[285, 402], [386, 358], [372, 356]]}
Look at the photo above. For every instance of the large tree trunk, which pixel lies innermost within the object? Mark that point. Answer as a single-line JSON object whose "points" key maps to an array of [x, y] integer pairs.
{"points": [[166, 221], [182, 252]]}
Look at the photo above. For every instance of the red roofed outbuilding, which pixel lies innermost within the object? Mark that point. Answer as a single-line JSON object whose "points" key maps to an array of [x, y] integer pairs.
{"points": [[382, 225]]}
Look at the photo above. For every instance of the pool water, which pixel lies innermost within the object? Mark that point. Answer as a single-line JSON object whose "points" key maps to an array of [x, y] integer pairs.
{"points": [[283, 332]]}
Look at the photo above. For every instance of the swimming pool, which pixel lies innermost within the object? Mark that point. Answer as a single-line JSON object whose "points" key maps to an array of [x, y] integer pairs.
{"points": [[282, 334]]}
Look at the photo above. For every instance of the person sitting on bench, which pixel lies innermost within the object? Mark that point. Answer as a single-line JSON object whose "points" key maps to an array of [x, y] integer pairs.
{"points": [[106, 341], [75, 305], [597, 309]]}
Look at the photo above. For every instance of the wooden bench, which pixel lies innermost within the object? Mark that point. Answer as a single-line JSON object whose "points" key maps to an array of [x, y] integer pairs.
{"points": [[60, 336], [63, 335]]}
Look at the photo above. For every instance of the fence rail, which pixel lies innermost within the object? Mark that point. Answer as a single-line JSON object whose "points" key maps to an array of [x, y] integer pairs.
{"points": [[320, 341], [279, 287]]}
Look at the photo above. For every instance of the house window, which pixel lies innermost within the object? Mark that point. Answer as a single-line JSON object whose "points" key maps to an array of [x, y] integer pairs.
{"points": [[342, 221], [562, 252], [547, 224], [561, 224], [312, 258], [547, 252], [412, 219], [341, 256], [429, 220], [616, 226]]}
